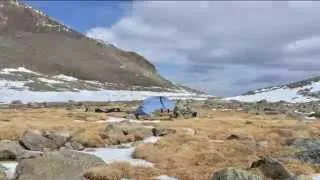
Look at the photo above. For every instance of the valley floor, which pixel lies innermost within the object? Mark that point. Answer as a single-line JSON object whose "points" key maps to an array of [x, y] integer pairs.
{"points": [[197, 148]]}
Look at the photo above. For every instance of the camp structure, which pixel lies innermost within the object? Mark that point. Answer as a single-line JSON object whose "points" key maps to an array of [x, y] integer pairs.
{"points": [[155, 106]]}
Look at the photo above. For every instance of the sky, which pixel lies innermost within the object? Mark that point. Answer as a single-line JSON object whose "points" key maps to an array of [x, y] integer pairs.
{"points": [[222, 47]]}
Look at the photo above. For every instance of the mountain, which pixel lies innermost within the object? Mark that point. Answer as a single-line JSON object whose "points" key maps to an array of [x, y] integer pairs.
{"points": [[44, 60], [31, 39], [301, 91]]}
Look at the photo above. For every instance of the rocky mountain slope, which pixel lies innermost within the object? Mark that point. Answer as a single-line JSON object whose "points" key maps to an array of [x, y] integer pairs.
{"points": [[44, 60], [301, 91], [31, 39]]}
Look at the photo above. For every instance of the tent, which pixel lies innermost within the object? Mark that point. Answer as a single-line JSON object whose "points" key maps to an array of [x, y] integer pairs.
{"points": [[154, 104]]}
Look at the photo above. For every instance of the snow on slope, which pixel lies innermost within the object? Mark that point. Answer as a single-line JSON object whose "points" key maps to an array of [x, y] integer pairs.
{"points": [[305, 93], [28, 86]]}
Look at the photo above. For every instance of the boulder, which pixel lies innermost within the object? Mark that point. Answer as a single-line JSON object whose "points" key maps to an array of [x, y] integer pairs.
{"points": [[182, 110], [35, 141], [58, 165], [10, 150], [272, 168], [58, 137], [234, 174]]}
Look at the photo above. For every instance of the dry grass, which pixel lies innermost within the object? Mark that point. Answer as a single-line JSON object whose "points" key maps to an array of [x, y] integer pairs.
{"points": [[181, 155], [118, 171], [197, 156], [13, 122]]}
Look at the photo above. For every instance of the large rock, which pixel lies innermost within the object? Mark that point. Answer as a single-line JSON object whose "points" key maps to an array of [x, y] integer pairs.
{"points": [[59, 137], [272, 168], [39, 141], [33, 140], [234, 174], [62, 165], [10, 150], [182, 110]]}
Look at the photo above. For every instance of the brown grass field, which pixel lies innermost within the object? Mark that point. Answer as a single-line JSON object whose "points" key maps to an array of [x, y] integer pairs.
{"points": [[182, 155]]}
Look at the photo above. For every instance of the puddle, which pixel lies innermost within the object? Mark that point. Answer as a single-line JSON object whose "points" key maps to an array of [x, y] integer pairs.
{"points": [[10, 168]]}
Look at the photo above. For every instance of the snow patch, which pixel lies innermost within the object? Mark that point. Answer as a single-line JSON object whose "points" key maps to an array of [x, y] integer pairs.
{"points": [[50, 81], [165, 177], [10, 168], [65, 77], [19, 69], [284, 93], [112, 154]]}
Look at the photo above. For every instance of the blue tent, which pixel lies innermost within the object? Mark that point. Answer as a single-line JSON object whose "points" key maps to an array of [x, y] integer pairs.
{"points": [[155, 103]]}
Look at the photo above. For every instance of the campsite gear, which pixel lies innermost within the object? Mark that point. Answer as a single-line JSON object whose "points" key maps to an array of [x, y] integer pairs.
{"points": [[155, 107]]}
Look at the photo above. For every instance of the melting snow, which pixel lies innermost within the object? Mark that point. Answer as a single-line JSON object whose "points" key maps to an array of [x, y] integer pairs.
{"points": [[115, 154], [19, 69], [50, 81], [116, 120], [165, 177], [10, 168], [65, 77], [110, 155]]}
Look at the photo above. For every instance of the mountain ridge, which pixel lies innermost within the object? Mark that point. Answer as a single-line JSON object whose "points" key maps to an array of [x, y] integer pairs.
{"points": [[33, 40], [300, 91]]}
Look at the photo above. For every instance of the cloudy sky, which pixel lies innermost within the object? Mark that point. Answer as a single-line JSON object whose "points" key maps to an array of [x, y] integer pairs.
{"points": [[224, 48]]}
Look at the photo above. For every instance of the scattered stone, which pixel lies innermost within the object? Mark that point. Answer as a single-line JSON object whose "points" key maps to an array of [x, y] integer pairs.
{"points": [[233, 137], [272, 168], [62, 165], [33, 140], [234, 174], [161, 131], [74, 145]]}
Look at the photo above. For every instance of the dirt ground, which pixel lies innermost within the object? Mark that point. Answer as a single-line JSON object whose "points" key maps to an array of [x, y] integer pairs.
{"points": [[201, 146]]}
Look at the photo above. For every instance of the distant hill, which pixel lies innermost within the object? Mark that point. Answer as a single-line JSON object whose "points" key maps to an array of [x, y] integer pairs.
{"points": [[300, 91]]}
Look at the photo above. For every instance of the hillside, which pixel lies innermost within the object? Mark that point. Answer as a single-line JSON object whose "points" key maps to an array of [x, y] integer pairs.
{"points": [[301, 91], [31, 39]]}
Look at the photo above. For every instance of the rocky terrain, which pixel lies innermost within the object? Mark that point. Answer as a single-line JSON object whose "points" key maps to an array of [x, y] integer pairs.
{"points": [[296, 92], [230, 139]]}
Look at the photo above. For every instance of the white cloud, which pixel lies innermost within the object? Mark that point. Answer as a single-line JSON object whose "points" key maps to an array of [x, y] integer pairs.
{"points": [[218, 45]]}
